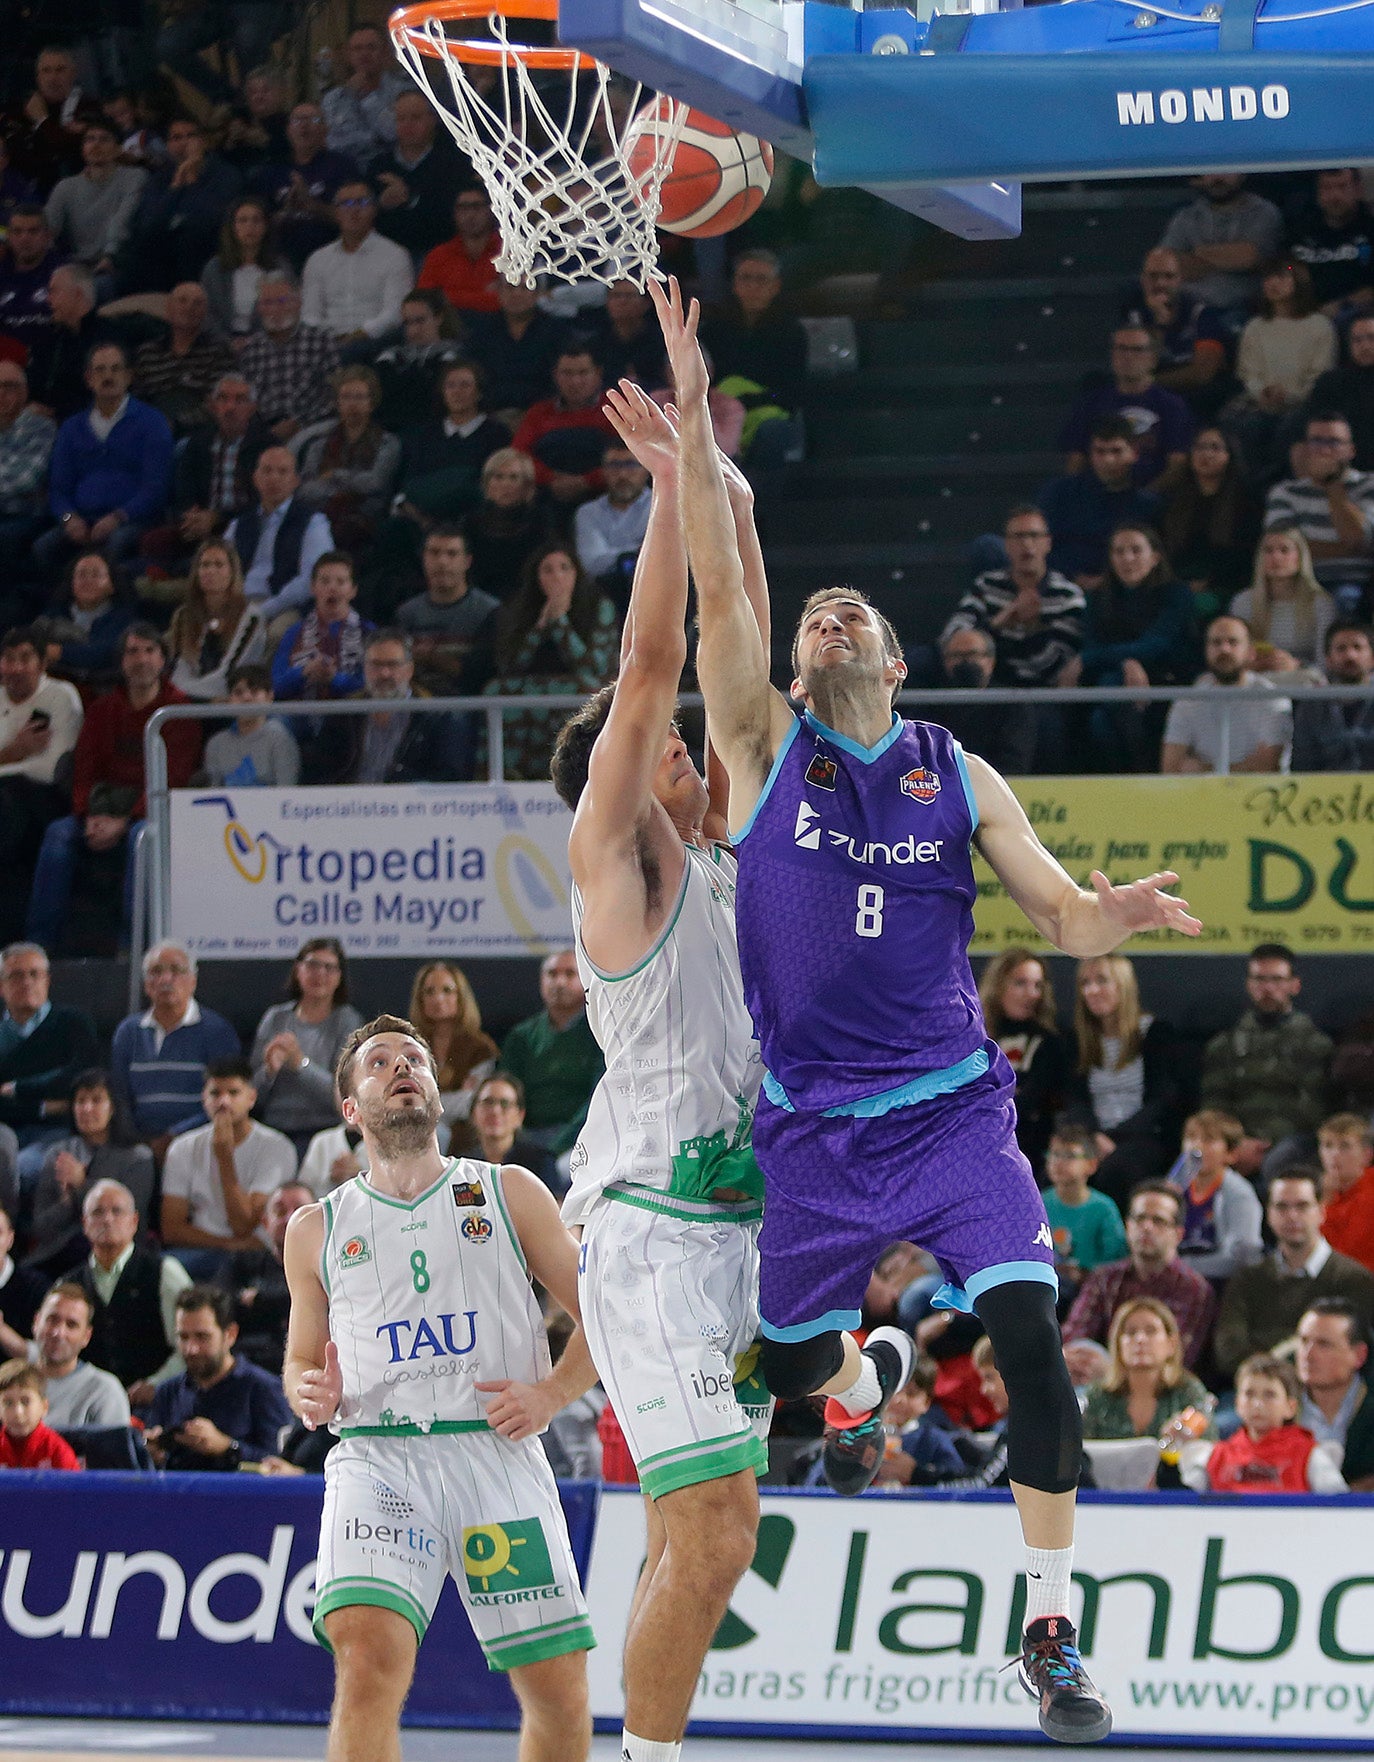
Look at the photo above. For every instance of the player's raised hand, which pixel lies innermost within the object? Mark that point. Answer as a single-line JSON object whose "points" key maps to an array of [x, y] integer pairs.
{"points": [[319, 1392], [680, 337], [643, 427], [518, 1410], [1144, 905]]}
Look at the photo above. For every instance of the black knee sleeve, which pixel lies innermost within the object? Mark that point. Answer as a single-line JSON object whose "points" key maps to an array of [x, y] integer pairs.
{"points": [[1044, 1427], [794, 1368]]}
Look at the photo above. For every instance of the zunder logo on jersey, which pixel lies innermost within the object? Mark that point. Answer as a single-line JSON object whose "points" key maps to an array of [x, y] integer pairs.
{"points": [[921, 784], [807, 831]]}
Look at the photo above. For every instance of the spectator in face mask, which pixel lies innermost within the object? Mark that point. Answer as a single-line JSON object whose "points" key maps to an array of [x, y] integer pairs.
{"points": [[1003, 734]]}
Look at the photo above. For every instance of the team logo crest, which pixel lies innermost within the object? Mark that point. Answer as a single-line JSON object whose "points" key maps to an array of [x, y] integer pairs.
{"points": [[468, 1193], [476, 1229], [921, 784], [822, 771], [354, 1252]]}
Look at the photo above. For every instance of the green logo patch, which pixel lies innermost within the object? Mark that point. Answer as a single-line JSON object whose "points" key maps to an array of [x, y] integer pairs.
{"points": [[354, 1252], [507, 1556]]}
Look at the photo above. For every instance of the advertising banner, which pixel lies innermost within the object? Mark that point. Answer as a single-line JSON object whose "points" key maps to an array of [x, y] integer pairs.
{"points": [[1261, 858], [456, 870], [1237, 1620], [189, 1596]]}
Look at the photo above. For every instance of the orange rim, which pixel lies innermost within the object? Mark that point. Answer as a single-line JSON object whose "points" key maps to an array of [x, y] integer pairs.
{"points": [[408, 23]]}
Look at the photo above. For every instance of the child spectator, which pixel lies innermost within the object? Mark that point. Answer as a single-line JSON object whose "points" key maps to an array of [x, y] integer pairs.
{"points": [[258, 751], [1222, 1216], [25, 1442], [1269, 1454], [920, 1452], [322, 656], [1086, 1224]]}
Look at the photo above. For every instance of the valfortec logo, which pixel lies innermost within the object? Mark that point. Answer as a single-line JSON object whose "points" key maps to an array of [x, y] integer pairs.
{"points": [[808, 831]]}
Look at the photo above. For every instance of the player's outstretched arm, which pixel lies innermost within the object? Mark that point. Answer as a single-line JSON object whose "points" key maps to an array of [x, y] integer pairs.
{"points": [[310, 1372], [1074, 920]]}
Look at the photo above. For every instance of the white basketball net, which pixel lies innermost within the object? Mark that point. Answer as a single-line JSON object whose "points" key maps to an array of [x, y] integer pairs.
{"points": [[554, 160]]}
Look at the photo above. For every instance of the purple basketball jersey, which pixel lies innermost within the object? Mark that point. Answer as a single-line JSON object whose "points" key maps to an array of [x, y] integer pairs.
{"points": [[855, 909]]}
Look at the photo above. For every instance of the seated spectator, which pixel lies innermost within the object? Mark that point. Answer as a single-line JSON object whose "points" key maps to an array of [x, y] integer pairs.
{"points": [[353, 288], [463, 267], [26, 443], [1334, 241], [385, 746], [1191, 339], [442, 461], [214, 629], [290, 365], [410, 371], [1146, 1385], [1339, 737], [1084, 509], [26, 266], [1154, 1230], [1270, 1069], [451, 625], [48, 129], [25, 1440], [555, 1056], [255, 135], [1003, 734], [1222, 1217], [332, 1157], [1284, 350], [89, 214], [508, 525], [42, 1046], [1210, 523], [1032, 612], [627, 339], [1269, 1454], [133, 1288], [297, 1044], [322, 655], [757, 351], [565, 434], [361, 112], [1221, 239], [279, 538], [1287, 612], [222, 1410], [57, 368], [1018, 1006], [444, 1011], [1139, 629], [233, 276], [79, 1394], [158, 1060], [1333, 506], [1160, 420], [1200, 739], [1333, 1353], [177, 373], [1085, 1224], [1125, 1087], [559, 634], [495, 1128], [95, 1151], [517, 345], [1346, 1144], [348, 464], [609, 530], [247, 31], [139, 125], [109, 751], [21, 1288], [40, 720], [180, 213], [212, 478], [1348, 390], [85, 624], [216, 1178], [262, 1302], [1264, 1303], [300, 189], [258, 751], [416, 176]]}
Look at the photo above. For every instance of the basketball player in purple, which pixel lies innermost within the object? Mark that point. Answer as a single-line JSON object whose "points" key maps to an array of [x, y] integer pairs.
{"points": [[887, 1113]]}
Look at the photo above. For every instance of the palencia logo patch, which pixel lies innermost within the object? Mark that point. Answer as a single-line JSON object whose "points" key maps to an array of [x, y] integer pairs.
{"points": [[468, 1193], [922, 785]]}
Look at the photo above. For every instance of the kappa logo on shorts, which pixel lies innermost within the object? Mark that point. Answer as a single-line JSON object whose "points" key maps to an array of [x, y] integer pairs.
{"points": [[506, 1557], [822, 771], [476, 1229], [1043, 1238], [922, 785], [469, 1193], [354, 1252]]}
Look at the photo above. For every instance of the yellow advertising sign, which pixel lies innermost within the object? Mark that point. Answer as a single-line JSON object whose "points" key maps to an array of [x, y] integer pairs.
{"points": [[1261, 858]]}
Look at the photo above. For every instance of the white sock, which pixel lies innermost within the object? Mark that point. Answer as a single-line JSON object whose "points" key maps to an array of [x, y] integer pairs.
{"points": [[1048, 1581], [865, 1392], [633, 1749]]}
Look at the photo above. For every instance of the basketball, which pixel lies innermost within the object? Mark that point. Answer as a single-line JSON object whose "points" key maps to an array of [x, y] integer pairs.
{"points": [[715, 180]]}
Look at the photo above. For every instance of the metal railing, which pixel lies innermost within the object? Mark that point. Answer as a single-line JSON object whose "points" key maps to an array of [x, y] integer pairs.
{"points": [[152, 873]]}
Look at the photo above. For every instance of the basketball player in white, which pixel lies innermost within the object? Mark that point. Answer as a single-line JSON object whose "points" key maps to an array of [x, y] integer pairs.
{"points": [[415, 1334], [665, 1187]]}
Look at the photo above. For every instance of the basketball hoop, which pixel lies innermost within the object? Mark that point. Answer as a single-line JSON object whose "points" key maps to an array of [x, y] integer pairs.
{"points": [[547, 137]]}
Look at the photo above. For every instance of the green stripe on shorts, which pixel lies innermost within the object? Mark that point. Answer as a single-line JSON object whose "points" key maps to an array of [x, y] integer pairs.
{"points": [[510, 1651], [688, 1210], [351, 1593], [690, 1464]]}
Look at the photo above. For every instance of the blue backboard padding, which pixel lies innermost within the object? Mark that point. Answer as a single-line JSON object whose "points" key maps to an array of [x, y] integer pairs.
{"points": [[903, 119]]}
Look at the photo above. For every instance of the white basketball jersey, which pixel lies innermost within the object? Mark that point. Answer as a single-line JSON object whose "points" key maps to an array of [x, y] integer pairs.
{"points": [[675, 1108], [427, 1297]]}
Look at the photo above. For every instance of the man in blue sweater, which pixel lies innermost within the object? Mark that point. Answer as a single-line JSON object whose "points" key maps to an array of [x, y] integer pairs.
{"points": [[158, 1059], [111, 468], [223, 1410]]}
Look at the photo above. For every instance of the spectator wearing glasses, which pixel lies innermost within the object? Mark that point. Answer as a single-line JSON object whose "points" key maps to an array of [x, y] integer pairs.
{"points": [[360, 114], [297, 1044], [354, 288], [463, 267], [158, 1059], [1162, 422], [290, 365], [497, 1122], [300, 189], [1332, 505]]}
